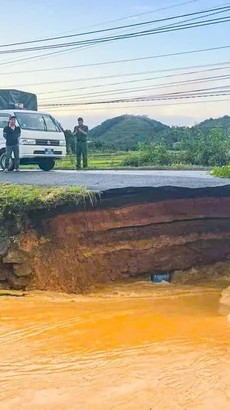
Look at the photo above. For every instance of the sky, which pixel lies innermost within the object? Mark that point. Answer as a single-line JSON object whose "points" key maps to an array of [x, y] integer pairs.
{"points": [[47, 18]]}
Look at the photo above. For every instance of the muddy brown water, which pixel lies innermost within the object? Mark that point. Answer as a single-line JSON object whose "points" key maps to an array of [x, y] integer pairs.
{"points": [[127, 347]]}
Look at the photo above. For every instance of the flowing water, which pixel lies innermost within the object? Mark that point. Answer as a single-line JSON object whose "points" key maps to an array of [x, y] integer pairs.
{"points": [[127, 347]]}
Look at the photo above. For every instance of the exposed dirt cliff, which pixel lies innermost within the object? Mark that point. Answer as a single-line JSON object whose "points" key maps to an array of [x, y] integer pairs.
{"points": [[124, 233]]}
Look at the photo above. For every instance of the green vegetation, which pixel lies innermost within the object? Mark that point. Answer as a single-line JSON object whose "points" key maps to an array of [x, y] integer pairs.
{"points": [[148, 155], [222, 123], [17, 201], [206, 148], [221, 172], [203, 149], [124, 160], [96, 160], [137, 141], [125, 132]]}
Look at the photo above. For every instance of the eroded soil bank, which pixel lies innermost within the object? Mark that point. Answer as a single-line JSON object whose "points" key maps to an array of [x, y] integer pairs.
{"points": [[124, 233]]}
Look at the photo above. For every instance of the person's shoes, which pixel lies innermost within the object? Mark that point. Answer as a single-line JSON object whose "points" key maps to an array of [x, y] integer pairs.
{"points": [[17, 170], [5, 170], [78, 168]]}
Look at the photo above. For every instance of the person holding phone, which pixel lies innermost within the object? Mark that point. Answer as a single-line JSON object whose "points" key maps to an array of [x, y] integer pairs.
{"points": [[81, 132], [12, 133]]}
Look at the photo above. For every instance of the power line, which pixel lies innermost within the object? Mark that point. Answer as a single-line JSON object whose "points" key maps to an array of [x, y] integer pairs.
{"points": [[40, 56], [163, 85], [73, 49], [143, 105], [123, 36], [130, 60], [139, 89], [213, 94], [138, 15], [221, 9], [141, 73], [212, 91]]}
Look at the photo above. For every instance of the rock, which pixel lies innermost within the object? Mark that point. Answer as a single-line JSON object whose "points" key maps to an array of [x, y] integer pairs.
{"points": [[185, 276], [14, 256], [4, 246], [22, 270], [17, 283], [225, 297], [4, 270], [4, 285], [2, 276], [164, 283]]}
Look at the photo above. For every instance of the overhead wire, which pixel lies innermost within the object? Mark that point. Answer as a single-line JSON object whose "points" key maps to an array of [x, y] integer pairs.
{"points": [[171, 84], [180, 26], [143, 105], [184, 94], [137, 15], [129, 60], [217, 9], [47, 55], [219, 67], [226, 63], [123, 36], [134, 90]]}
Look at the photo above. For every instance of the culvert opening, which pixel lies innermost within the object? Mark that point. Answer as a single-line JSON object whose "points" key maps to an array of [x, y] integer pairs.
{"points": [[161, 277]]}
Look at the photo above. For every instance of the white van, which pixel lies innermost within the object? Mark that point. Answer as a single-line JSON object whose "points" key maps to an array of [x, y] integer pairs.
{"points": [[42, 140]]}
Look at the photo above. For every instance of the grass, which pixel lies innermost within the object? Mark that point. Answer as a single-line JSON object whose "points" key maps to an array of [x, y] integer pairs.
{"points": [[95, 161], [16, 201], [221, 172], [111, 160]]}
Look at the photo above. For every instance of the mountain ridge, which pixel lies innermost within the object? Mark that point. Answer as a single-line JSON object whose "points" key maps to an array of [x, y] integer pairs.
{"points": [[126, 131]]}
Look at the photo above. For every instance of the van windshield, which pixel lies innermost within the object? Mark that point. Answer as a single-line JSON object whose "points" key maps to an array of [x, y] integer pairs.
{"points": [[36, 122]]}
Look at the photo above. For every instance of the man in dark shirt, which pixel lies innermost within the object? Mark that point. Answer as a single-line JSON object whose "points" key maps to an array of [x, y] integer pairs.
{"points": [[81, 132], [12, 133]]}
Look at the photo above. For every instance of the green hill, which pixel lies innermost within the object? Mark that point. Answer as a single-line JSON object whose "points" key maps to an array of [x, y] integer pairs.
{"points": [[124, 132], [221, 122]]}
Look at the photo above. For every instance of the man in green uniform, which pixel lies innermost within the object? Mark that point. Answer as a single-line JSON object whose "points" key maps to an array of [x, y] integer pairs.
{"points": [[81, 132]]}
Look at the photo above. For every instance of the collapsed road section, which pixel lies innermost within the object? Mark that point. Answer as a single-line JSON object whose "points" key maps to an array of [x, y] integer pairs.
{"points": [[115, 235]]}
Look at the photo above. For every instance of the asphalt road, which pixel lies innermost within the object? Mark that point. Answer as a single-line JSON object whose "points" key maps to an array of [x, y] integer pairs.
{"points": [[103, 180]]}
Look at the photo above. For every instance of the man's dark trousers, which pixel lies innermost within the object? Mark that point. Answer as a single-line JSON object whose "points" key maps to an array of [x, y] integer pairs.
{"points": [[9, 150], [82, 151]]}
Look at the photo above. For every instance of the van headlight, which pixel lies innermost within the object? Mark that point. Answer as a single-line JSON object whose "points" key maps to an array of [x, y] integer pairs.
{"points": [[26, 141], [62, 143]]}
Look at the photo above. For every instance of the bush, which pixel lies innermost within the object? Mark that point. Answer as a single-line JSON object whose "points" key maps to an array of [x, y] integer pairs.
{"points": [[208, 149], [132, 160], [70, 142], [149, 155], [222, 172]]}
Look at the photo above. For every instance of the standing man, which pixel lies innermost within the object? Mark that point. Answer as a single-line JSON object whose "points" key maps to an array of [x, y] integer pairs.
{"points": [[81, 131], [12, 133]]}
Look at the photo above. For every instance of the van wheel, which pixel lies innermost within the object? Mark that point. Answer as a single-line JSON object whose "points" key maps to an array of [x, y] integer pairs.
{"points": [[46, 164], [3, 160]]}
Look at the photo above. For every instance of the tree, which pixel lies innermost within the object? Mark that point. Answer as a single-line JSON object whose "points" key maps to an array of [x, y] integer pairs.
{"points": [[208, 149], [70, 142]]}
